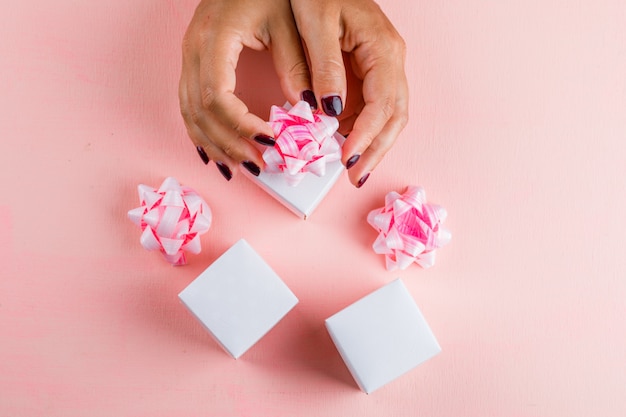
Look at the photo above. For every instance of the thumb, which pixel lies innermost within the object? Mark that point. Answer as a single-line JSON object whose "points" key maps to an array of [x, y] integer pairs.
{"points": [[290, 61], [326, 62]]}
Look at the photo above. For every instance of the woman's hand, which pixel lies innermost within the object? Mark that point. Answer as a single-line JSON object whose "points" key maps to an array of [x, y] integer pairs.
{"points": [[218, 123], [376, 110]]}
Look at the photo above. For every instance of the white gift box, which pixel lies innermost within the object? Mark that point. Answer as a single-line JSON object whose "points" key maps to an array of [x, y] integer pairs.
{"points": [[238, 299], [382, 336], [303, 198]]}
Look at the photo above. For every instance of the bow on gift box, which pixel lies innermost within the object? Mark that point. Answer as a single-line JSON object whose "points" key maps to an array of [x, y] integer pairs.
{"points": [[305, 142], [409, 229], [172, 219]]}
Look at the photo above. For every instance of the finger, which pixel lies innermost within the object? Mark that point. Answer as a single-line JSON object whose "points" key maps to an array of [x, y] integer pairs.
{"points": [[379, 94], [207, 128], [321, 37], [383, 142], [372, 156], [206, 148], [224, 136], [223, 162], [207, 151], [217, 80], [290, 61]]}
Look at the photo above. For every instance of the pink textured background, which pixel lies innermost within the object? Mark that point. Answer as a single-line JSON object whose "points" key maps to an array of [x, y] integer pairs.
{"points": [[518, 127]]}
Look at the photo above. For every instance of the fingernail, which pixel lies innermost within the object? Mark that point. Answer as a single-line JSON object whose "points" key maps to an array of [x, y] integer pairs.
{"points": [[332, 105], [252, 168], [265, 140], [224, 170], [203, 155], [362, 180], [353, 160], [309, 97]]}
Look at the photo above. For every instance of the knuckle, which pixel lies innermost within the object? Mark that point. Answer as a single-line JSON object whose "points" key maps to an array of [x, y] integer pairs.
{"points": [[186, 44], [400, 45], [188, 114], [330, 72], [389, 42], [370, 141], [230, 149], [235, 125], [387, 107], [378, 148], [299, 70], [403, 120], [185, 51], [393, 46], [185, 113], [192, 40], [209, 99], [195, 115], [367, 138]]}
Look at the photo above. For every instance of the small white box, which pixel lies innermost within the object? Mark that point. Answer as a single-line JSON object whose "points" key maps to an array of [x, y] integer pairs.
{"points": [[303, 198], [382, 336], [238, 299]]}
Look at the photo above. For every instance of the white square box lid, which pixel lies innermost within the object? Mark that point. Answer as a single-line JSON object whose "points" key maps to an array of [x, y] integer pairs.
{"points": [[382, 336], [238, 299], [303, 198]]}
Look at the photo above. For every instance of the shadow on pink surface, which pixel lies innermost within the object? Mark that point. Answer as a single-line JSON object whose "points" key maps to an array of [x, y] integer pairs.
{"points": [[303, 348]]}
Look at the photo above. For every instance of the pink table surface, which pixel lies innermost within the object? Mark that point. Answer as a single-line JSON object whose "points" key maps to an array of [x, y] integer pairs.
{"points": [[518, 127]]}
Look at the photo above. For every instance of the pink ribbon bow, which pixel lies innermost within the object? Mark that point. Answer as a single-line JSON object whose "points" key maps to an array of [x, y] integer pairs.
{"points": [[409, 229], [305, 142], [172, 219]]}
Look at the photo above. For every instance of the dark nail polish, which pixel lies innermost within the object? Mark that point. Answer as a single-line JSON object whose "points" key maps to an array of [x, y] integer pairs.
{"points": [[353, 160], [362, 180], [265, 140], [203, 155], [224, 170], [252, 168], [309, 97], [332, 105]]}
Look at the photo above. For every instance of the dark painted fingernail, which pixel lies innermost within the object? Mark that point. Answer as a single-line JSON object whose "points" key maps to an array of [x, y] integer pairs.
{"points": [[332, 105], [353, 160], [265, 140], [309, 97], [362, 180], [203, 155], [224, 170], [252, 168]]}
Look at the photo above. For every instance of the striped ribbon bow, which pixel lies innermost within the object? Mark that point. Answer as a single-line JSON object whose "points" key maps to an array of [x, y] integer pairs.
{"points": [[305, 142], [172, 219], [409, 229]]}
